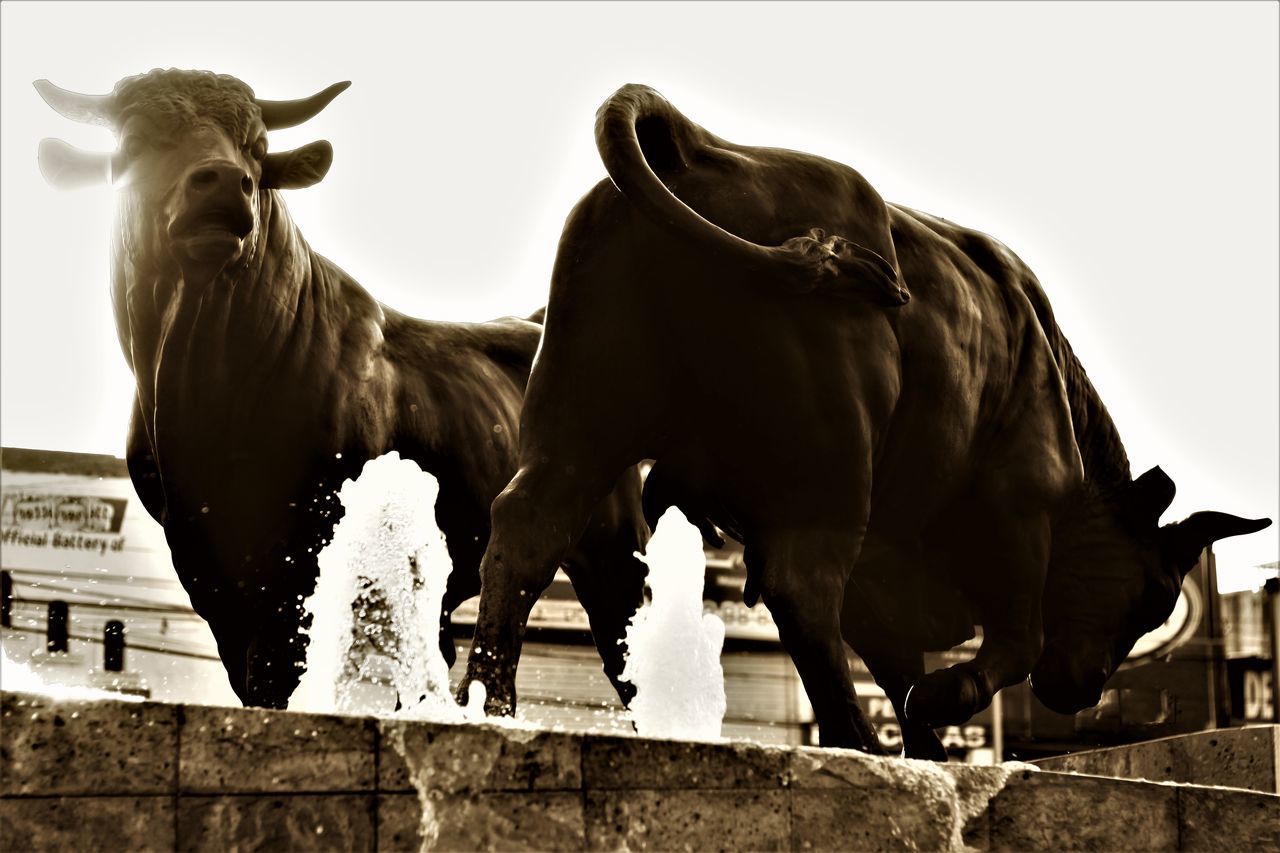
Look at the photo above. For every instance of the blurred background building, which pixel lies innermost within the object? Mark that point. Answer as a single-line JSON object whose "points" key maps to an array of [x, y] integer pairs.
{"points": [[90, 599]]}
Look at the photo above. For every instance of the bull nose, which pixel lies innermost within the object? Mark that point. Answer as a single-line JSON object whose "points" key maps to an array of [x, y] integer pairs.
{"points": [[219, 177], [1068, 687]]}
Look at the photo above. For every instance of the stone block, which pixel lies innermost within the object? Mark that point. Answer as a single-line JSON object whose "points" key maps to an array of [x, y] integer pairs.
{"points": [[1234, 758], [682, 819], [399, 822], [538, 820], [868, 819], [249, 750], [342, 822], [87, 823], [471, 758], [1219, 819], [1060, 811], [76, 747], [847, 800], [619, 763], [975, 788]]}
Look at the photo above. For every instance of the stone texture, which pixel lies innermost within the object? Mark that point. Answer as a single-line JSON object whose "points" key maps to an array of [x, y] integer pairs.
{"points": [[975, 788], [630, 763], [1059, 811], [687, 820], [245, 779], [1235, 758], [913, 805], [285, 822], [477, 758], [86, 823], [868, 819], [509, 821], [1230, 821], [69, 747], [244, 750]]}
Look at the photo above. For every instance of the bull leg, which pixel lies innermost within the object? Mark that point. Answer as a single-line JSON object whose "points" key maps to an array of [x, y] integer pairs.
{"points": [[454, 595], [275, 659], [895, 666], [1012, 630], [535, 520], [802, 583], [886, 645], [610, 587]]}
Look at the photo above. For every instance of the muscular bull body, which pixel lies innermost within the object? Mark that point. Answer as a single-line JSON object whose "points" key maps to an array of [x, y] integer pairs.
{"points": [[876, 402], [266, 375]]}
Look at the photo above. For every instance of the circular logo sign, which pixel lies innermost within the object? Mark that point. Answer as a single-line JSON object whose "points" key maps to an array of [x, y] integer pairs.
{"points": [[1175, 631]]}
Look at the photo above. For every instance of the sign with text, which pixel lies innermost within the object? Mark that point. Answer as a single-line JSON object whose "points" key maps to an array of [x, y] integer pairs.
{"points": [[1253, 696]]}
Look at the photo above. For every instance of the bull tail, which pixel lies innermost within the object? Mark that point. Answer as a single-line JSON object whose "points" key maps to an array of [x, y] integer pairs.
{"points": [[637, 129]]}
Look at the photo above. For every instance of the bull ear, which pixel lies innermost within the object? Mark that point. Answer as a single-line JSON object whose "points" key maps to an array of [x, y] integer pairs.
{"points": [[299, 168], [1182, 542], [1149, 496], [67, 167]]}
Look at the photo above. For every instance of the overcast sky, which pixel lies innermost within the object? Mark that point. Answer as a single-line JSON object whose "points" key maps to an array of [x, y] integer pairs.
{"points": [[1128, 153]]}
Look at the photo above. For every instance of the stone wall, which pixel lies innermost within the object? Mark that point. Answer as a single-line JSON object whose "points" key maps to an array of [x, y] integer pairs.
{"points": [[141, 776], [1247, 757]]}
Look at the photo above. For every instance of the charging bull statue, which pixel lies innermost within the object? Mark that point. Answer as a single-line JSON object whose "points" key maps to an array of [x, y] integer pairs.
{"points": [[266, 375], [876, 402]]}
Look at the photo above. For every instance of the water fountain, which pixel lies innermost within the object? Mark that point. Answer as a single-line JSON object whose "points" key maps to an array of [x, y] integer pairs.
{"points": [[376, 606], [673, 655]]}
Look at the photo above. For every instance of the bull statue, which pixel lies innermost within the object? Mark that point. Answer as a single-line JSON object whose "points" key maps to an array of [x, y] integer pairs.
{"points": [[266, 376], [876, 402]]}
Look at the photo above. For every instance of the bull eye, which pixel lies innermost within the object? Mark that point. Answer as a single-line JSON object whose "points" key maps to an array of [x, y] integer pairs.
{"points": [[259, 148], [133, 146]]}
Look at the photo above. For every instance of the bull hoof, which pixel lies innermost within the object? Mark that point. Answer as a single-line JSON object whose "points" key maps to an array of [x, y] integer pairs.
{"points": [[920, 742], [948, 697]]}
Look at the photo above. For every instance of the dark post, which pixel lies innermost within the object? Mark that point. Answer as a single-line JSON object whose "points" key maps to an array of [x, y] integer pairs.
{"points": [[57, 627], [6, 599], [113, 646], [1271, 601], [1219, 694]]}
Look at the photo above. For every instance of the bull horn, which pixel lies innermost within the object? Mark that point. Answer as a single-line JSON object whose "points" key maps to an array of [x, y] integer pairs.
{"points": [[91, 109], [1183, 541], [277, 115]]}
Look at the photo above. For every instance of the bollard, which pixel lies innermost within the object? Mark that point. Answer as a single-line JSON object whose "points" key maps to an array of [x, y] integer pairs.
{"points": [[57, 627], [6, 600], [1271, 601], [113, 646]]}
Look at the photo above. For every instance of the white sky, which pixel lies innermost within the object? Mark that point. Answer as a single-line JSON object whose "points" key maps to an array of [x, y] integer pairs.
{"points": [[1128, 153]]}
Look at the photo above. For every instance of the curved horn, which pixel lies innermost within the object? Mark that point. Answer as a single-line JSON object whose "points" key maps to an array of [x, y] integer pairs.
{"points": [[92, 109], [1184, 540], [277, 115], [812, 258]]}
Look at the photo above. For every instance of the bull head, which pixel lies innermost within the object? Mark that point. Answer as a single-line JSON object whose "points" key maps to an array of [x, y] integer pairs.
{"points": [[1117, 579], [67, 167]]}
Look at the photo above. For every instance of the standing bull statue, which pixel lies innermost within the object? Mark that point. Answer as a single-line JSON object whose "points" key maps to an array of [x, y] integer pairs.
{"points": [[266, 376], [887, 417]]}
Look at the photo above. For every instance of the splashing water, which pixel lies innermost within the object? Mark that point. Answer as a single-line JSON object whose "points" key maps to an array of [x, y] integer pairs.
{"points": [[673, 656], [18, 677], [376, 606]]}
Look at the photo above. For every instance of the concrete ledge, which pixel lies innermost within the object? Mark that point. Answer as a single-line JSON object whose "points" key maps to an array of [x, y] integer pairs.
{"points": [[120, 775], [1246, 758]]}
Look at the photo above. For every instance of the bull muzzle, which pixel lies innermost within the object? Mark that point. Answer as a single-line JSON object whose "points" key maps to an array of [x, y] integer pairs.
{"points": [[1068, 681], [216, 214]]}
